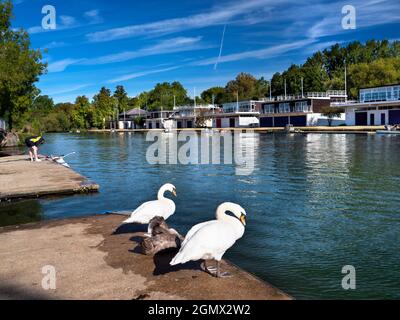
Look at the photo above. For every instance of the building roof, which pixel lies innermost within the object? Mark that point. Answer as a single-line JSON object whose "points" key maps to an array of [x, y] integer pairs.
{"points": [[356, 104], [135, 112], [384, 86]]}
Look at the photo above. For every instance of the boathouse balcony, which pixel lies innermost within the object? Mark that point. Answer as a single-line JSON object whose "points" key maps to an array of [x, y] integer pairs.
{"points": [[298, 107]]}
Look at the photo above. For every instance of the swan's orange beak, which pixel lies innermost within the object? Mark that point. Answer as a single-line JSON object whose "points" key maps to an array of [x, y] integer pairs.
{"points": [[243, 219], [174, 192]]}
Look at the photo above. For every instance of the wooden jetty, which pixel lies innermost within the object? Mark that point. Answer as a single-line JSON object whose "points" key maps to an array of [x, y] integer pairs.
{"points": [[20, 178], [97, 258]]}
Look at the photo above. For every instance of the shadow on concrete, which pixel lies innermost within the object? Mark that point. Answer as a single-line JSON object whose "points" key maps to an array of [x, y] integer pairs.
{"points": [[137, 240], [9, 291], [163, 258], [130, 228]]}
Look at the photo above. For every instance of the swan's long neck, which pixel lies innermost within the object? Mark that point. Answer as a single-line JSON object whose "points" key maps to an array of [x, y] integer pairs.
{"points": [[221, 213], [160, 195]]}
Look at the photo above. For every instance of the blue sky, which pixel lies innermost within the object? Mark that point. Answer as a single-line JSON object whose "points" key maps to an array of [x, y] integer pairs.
{"points": [[139, 43]]}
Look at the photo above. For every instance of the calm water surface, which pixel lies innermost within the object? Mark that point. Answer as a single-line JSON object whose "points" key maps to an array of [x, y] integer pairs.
{"points": [[315, 203]]}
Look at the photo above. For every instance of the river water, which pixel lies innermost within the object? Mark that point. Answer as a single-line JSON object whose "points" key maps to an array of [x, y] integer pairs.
{"points": [[315, 203]]}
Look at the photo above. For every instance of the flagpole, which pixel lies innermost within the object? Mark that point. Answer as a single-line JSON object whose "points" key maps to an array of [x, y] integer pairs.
{"points": [[345, 79]]}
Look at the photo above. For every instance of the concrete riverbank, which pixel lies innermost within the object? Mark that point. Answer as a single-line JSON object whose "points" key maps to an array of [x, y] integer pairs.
{"points": [[20, 178], [95, 258], [316, 129]]}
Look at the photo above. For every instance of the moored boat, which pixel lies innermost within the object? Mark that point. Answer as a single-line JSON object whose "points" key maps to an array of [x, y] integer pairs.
{"points": [[388, 131]]}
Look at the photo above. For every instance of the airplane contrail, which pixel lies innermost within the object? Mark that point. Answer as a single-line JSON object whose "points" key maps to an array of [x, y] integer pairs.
{"points": [[220, 49]]}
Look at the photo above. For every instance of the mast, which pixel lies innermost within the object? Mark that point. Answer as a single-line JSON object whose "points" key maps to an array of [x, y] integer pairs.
{"points": [[270, 90], [285, 89], [237, 101], [345, 79], [194, 91]]}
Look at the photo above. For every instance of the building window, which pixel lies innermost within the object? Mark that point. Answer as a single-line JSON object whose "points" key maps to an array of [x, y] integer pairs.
{"points": [[301, 106], [380, 94], [269, 108], [284, 107]]}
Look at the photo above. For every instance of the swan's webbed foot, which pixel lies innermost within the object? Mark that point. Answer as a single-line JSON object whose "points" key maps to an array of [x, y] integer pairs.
{"points": [[209, 269], [222, 274], [215, 271]]}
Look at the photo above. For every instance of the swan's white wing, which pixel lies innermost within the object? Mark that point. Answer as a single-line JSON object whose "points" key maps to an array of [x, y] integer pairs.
{"points": [[151, 209], [209, 241], [193, 230]]}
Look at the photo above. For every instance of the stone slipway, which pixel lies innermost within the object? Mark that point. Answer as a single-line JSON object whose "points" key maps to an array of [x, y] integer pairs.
{"points": [[95, 258], [20, 178]]}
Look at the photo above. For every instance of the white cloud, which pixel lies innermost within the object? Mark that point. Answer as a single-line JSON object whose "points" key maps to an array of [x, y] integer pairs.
{"points": [[61, 65], [218, 16], [67, 21], [368, 14], [63, 22], [141, 74], [179, 44], [54, 44], [93, 16], [64, 90], [163, 47], [264, 53]]}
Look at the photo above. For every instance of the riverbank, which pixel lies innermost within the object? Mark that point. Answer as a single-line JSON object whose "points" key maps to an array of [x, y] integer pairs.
{"points": [[315, 129], [95, 258], [22, 179]]}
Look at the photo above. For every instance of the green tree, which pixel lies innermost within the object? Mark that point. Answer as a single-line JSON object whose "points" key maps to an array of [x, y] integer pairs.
{"points": [[377, 73], [217, 92], [20, 68], [261, 89], [80, 113], [61, 119], [42, 104], [332, 113], [163, 95], [41, 107], [103, 108], [139, 102], [277, 84], [122, 99], [293, 77], [245, 85], [315, 75]]}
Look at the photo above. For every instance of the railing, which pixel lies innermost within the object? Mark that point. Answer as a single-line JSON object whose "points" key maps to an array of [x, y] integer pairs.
{"points": [[318, 95], [287, 97], [307, 108], [336, 92]]}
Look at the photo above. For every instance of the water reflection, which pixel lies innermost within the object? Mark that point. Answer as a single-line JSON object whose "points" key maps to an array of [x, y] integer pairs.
{"points": [[20, 212]]}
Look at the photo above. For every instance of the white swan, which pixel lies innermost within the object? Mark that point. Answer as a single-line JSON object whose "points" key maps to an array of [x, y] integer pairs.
{"points": [[162, 207], [211, 239]]}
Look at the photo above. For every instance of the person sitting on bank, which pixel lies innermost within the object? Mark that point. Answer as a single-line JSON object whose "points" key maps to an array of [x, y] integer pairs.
{"points": [[33, 144]]}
